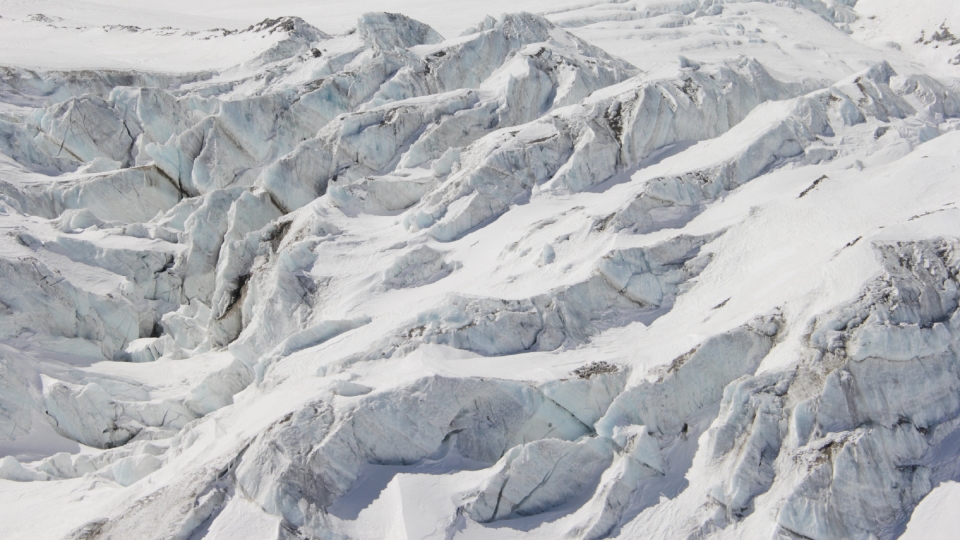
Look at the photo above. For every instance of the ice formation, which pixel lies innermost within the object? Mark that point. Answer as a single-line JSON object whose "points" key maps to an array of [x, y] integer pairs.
{"points": [[380, 283]]}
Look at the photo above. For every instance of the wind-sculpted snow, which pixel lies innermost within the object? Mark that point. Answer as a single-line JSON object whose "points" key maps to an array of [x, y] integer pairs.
{"points": [[388, 284]]}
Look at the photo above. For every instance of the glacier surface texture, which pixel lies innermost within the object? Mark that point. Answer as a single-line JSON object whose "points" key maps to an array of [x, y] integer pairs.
{"points": [[678, 269]]}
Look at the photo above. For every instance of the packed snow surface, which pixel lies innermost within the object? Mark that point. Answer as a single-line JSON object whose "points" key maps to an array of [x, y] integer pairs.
{"points": [[585, 269]]}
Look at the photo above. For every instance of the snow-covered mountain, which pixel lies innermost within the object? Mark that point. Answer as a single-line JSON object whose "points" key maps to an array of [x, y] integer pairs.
{"points": [[626, 269]]}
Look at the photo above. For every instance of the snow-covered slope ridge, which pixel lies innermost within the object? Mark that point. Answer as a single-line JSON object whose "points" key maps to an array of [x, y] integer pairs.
{"points": [[839, 11], [384, 284]]}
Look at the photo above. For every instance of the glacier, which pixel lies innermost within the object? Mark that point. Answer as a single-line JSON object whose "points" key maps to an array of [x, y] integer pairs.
{"points": [[648, 269]]}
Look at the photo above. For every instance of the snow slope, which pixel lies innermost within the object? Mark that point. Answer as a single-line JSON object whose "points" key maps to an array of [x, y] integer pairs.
{"points": [[642, 269]]}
